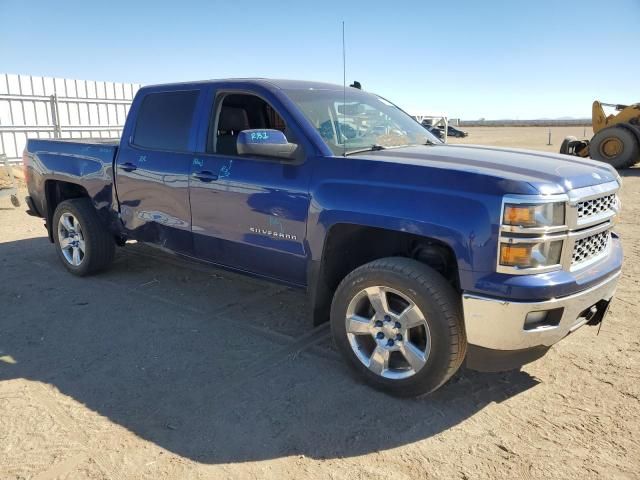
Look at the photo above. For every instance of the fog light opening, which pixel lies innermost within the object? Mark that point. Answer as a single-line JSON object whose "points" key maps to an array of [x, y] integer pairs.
{"points": [[543, 319]]}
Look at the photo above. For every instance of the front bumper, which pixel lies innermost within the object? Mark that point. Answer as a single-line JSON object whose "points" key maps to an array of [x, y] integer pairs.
{"points": [[499, 324]]}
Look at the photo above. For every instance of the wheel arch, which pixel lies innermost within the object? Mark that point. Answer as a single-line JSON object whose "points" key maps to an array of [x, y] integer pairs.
{"points": [[57, 191], [348, 246]]}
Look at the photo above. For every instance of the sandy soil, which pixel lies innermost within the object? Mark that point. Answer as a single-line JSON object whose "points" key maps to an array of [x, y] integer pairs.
{"points": [[162, 369], [10, 177], [535, 138]]}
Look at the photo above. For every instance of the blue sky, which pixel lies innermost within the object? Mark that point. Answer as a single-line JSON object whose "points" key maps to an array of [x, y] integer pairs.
{"points": [[470, 59]]}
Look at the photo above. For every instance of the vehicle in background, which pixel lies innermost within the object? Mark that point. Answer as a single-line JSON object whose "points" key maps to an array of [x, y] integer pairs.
{"points": [[453, 131], [616, 138], [436, 132], [421, 255]]}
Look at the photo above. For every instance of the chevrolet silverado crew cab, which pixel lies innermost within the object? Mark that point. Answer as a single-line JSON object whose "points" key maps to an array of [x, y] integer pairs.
{"points": [[422, 255]]}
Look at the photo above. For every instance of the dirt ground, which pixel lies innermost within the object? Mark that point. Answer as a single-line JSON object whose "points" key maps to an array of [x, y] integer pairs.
{"points": [[165, 369], [535, 138]]}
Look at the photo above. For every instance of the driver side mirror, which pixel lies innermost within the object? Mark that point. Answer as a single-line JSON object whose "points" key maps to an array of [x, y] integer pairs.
{"points": [[265, 142]]}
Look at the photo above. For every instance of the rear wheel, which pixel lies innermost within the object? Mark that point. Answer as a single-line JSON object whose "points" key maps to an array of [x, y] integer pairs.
{"points": [[616, 146], [83, 244], [399, 325]]}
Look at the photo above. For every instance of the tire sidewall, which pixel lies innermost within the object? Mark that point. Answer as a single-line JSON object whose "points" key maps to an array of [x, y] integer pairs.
{"points": [[68, 207], [630, 151], [433, 373]]}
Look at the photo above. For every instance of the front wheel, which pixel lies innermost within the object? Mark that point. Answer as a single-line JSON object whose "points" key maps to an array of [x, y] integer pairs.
{"points": [[83, 244], [399, 324], [616, 146]]}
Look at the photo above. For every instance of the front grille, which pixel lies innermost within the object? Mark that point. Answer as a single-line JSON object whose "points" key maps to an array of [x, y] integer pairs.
{"points": [[590, 247], [595, 206]]}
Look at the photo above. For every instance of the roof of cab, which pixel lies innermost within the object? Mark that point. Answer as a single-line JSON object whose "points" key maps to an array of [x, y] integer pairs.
{"points": [[264, 82]]}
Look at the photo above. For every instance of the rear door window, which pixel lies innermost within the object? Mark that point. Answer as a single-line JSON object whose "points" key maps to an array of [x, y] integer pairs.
{"points": [[164, 120]]}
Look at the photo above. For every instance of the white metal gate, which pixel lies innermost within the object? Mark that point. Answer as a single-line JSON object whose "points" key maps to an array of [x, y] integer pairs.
{"points": [[45, 107]]}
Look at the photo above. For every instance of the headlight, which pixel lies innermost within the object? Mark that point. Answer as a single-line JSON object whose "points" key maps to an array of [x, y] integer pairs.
{"points": [[534, 215], [530, 255]]}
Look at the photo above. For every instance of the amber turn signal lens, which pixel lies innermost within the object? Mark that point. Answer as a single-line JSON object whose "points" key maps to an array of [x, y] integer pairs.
{"points": [[519, 215], [515, 255]]}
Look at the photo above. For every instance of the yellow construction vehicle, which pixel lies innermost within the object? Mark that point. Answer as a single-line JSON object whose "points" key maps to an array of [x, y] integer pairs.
{"points": [[616, 138]]}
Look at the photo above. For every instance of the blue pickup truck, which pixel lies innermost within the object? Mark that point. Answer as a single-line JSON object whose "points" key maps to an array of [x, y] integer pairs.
{"points": [[421, 255]]}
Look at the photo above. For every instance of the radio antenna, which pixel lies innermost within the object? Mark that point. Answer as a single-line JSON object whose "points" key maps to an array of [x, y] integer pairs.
{"points": [[344, 93]]}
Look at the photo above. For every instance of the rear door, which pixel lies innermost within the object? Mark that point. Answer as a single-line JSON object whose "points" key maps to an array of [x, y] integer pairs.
{"points": [[153, 167], [250, 213]]}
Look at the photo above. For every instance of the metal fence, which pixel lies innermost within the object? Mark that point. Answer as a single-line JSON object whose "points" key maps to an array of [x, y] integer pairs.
{"points": [[45, 107]]}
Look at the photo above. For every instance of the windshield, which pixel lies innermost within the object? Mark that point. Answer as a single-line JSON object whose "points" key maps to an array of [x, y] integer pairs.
{"points": [[361, 121]]}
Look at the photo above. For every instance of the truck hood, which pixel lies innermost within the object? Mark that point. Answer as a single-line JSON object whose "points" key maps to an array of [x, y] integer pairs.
{"points": [[548, 173]]}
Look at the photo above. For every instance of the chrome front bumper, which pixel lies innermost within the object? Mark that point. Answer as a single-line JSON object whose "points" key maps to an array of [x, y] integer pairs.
{"points": [[499, 324]]}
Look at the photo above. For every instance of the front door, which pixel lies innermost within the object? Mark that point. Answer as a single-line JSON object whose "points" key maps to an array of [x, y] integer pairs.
{"points": [[249, 213], [152, 178]]}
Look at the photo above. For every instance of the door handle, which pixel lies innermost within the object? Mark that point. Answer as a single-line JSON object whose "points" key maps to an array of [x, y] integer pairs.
{"points": [[205, 176], [128, 166]]}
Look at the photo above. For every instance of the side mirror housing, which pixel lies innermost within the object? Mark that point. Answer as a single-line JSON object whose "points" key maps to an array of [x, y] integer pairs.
{"points": [[265, 142]]}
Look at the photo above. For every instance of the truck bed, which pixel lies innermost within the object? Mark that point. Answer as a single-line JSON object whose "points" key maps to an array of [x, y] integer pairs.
{"points": [[86, 162], [100, 141], [99, 150]]}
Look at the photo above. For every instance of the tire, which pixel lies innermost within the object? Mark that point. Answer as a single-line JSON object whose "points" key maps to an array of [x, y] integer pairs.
{"points": [[604, 143], [564, 147], [437, 344], [83, 229]]}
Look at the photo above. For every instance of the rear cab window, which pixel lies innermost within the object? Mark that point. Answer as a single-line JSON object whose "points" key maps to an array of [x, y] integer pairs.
{"points": [[165, 120]]}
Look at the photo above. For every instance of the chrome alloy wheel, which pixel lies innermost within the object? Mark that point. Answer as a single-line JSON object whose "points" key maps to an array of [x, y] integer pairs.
{"points": [[388, 332], [71, 239]]}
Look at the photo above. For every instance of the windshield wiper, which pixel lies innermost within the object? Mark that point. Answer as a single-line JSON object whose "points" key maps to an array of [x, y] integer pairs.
{"points": [[373, 148]]}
